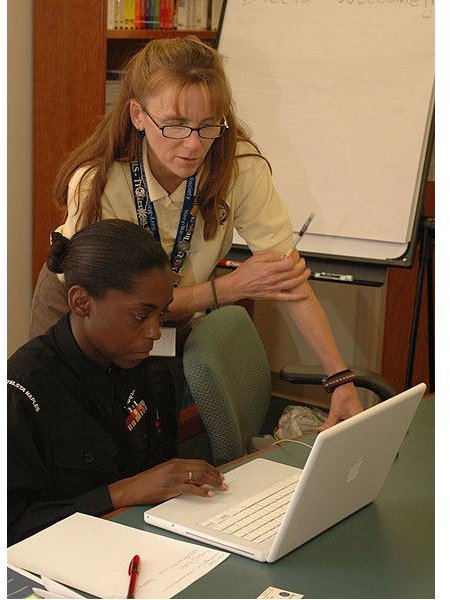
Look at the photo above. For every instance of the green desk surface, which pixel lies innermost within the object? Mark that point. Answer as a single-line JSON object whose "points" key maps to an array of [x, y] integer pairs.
{"points": [[385, 550]]}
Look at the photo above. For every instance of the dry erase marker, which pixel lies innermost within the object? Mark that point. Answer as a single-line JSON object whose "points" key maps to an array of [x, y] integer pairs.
{"points": [[301, 233], [133, 572], [333, 276]]}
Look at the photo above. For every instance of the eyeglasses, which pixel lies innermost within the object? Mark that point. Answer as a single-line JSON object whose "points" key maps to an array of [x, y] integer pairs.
{"points": [[180, 132]]}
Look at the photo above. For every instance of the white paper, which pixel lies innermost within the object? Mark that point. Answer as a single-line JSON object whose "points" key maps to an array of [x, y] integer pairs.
{"points": [[166, 345], [273, 592], [341, 110], [44, 593], [24, 573], [93, 554], [60, 591]]}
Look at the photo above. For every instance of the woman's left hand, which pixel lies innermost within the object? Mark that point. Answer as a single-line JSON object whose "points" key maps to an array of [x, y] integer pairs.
{"points": [[344, 404]]}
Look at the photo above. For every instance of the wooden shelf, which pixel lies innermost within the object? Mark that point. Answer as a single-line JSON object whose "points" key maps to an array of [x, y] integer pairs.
{"points": [[151, 34]]}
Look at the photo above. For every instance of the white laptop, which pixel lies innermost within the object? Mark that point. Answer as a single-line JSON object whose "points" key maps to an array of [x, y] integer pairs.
{"points": [[272, 508]]}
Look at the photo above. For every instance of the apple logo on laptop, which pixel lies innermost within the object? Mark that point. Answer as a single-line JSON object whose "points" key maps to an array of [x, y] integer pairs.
{"points": [[354, 471]]}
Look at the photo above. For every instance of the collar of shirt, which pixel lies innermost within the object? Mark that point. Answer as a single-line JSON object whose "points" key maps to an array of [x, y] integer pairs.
{"points": [[101, 385], [155, 189]]}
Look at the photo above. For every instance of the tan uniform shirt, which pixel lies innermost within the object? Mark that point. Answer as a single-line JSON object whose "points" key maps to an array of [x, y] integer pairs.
{"points": [[256, 211]]}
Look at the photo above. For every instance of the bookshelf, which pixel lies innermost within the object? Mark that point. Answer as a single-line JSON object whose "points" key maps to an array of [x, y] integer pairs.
{"points": [[72, 52], [151, 34], [121, 44]]}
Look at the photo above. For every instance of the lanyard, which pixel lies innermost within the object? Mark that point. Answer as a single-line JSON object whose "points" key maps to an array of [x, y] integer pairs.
{"points": [[146, 214]]}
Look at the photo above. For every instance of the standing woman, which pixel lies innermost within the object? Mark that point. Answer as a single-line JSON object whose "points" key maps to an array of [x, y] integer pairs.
{"points": [[172, 157]]}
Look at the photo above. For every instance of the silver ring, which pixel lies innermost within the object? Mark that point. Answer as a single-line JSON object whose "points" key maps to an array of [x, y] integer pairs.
{"points": [[189, 475]]}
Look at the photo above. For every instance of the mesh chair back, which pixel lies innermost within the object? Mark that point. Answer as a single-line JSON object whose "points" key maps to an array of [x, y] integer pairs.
{"points": [[228, 373]]}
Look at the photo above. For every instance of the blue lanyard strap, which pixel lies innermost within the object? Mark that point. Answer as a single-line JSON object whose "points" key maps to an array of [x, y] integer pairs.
{"points": [[185, 227], [146, 214]]}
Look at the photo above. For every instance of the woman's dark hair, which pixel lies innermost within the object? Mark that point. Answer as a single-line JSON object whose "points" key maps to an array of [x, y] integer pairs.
{"points": [[106, 255]]}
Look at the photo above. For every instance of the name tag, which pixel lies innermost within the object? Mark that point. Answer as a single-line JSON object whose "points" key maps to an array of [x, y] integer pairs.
{"points": [[166, 345]]}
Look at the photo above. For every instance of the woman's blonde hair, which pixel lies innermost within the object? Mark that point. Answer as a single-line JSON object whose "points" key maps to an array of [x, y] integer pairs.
{"points": [[183, 62]]}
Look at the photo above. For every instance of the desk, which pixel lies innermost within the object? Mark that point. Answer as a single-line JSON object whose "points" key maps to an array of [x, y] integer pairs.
{"points": [[385, 550]]}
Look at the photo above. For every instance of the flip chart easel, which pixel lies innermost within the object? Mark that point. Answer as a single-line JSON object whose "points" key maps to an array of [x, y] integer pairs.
{"points": [[339, 95]]}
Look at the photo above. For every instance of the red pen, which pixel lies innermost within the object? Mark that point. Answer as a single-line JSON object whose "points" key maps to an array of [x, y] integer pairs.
{"points": [[133, 572]]}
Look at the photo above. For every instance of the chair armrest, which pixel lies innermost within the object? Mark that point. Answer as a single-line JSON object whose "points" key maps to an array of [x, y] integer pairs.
{"points": [[364, 379]]}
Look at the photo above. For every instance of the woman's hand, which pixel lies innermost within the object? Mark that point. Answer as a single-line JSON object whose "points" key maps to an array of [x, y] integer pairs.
{"points": [[266, 275], [344, 404], [167, 480]]}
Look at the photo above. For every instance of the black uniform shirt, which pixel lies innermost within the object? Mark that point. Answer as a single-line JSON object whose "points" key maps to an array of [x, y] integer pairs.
{"points": [[73, 428]]}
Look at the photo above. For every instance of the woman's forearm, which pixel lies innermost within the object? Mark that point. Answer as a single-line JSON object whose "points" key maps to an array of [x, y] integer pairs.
{"points": [[193, 298], [265, 276], [314, 326]]}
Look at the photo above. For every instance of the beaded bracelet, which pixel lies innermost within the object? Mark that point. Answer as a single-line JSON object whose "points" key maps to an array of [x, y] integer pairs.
{"points": [[331, 382]]}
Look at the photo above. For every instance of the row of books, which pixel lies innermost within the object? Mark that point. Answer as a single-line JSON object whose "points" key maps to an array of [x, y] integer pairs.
{"points": [[164, 14]]}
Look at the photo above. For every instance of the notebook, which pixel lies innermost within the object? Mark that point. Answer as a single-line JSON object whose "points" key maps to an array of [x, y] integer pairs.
{"points": [[345, 470]]}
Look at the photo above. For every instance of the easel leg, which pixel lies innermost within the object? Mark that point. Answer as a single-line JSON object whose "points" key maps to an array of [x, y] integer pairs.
{"points": [[426, 265], [430, 299]]}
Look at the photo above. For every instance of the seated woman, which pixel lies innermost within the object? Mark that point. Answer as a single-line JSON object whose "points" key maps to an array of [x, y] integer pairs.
{"points": [[86, 431]]}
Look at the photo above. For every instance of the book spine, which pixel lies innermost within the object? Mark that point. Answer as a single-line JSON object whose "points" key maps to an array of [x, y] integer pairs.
{"points": [[170, 14], [147, 4], [181, 14], [112, 89], [154, 18], [119, 14], [208, 23], [151, 13], [110, 21], [138, 14], [201, 15], [162, 14], [128, 14], [190, 11]]}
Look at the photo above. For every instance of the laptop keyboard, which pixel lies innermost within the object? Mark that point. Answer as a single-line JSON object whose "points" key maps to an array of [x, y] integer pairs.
{"points": [[258, 517]]}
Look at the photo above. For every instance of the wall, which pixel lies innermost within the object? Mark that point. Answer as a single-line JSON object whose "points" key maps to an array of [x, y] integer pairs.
{"points": [[19, 171]]}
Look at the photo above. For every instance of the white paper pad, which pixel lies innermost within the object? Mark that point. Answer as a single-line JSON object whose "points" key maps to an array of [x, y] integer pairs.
{"points": [[93, 554]]}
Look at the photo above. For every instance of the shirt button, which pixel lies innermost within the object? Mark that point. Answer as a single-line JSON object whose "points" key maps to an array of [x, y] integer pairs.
{"points": [[89, 457]]}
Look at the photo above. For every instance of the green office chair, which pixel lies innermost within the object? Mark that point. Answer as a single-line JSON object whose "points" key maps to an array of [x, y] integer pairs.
{"points": [[228, 374]]}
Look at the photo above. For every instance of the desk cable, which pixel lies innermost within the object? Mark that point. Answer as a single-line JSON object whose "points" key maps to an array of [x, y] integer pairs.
{"points": [[294, 441]]}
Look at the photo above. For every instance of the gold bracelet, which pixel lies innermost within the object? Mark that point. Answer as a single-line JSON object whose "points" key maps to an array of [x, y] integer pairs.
{"points": [[214, 293]]}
